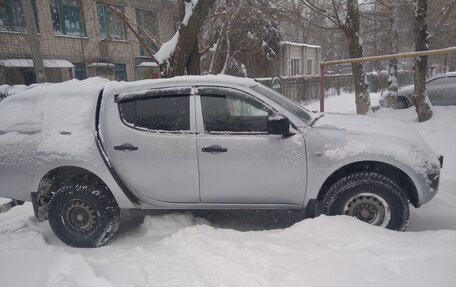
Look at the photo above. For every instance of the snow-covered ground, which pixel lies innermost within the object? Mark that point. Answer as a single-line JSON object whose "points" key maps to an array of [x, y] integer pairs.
{"points": [[181, 249], [344, 103]]}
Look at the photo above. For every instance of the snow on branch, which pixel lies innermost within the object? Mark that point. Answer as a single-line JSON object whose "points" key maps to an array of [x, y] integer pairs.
{"points": [[167, 49]]}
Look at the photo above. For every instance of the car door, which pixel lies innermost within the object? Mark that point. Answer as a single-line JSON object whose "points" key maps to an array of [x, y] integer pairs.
{"points": [[150, 140], [435, 92], [239, 162], [441, 91]]}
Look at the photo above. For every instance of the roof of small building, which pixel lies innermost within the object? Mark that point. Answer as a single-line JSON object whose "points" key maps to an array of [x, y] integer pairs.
{"points": [[300, 44]]}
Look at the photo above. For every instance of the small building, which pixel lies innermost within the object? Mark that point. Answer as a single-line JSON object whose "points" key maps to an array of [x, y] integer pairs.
{"points": [[299, 59], [82, 38]]}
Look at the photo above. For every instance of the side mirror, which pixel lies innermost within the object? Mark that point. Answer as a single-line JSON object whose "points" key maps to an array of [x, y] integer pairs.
{"points": [[278, 125]]}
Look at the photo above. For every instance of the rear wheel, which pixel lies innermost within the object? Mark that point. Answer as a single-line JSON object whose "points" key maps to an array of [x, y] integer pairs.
{"points": [[370, 197], [83, 216]]}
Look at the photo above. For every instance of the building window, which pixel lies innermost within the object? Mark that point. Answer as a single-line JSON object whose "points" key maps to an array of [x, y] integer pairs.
{"points": [[80, 71], [12, 16], [149, 22], [310, 70], [111, 26], [295, 66], [120, 72], [67, 17]]}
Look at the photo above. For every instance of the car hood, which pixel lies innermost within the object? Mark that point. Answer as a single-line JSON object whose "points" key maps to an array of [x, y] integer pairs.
{"points": [[406, 89], [368, 135], [368, 125]]}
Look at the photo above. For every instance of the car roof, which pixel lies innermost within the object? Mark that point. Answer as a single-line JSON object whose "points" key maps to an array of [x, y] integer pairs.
{"points": [[117, 88], [438, 76]]}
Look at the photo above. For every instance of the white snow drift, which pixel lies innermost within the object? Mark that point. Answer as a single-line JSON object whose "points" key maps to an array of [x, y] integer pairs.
{"points": [[180, 250]]}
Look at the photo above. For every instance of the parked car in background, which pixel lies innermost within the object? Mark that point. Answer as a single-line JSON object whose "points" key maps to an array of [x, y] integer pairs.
{"points": [[82, 150], [441, 90]]}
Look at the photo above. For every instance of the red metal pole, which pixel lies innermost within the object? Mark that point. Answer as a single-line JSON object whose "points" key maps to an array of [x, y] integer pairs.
{"points": [[322, 88]]}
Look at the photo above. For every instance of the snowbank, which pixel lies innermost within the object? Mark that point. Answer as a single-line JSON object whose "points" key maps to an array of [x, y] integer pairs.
{"points": [[181, 250]]}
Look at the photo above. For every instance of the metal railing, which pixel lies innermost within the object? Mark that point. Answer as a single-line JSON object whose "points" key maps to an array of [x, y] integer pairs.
{"points": [[446, 51], [305, 88]]}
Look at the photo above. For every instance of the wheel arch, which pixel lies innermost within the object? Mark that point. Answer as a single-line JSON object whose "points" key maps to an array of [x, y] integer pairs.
{"points": [[394, 173], [407, 100], [57, 177]]}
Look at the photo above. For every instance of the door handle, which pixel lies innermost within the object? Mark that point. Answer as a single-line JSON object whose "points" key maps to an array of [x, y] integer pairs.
{"points": [[214, 149], [125, 146]]}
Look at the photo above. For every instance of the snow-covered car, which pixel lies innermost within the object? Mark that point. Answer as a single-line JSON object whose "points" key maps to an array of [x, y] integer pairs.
{"points": [[441, 90], [82, 150]]}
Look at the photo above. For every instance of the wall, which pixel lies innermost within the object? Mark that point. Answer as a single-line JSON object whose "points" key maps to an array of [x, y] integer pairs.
{"points": [[300, 51], [87, 49]]}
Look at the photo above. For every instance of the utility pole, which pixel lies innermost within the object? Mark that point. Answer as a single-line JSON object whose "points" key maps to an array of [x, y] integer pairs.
{"points": [[32, 36]]}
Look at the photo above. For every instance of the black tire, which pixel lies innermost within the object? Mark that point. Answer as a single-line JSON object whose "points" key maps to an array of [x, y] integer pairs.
{"points": [[83, 216], [402, 103], [364, 195]]}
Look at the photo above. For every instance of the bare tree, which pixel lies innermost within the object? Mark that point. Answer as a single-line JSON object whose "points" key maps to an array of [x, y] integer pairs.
{"points": [[241, 38], [181, 53], [133, 27], [420, 98], [345, 15], [35, 48], [393, 85], [442, 29], [351, 30], [443, 17]]}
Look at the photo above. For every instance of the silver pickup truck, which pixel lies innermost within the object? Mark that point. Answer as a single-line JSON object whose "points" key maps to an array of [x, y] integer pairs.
{"points": [[82, 150]]}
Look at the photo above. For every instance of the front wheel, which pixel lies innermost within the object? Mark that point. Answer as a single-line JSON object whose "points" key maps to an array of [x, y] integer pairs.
{"points": [[83, 216], [370, 197], [402, 103]]}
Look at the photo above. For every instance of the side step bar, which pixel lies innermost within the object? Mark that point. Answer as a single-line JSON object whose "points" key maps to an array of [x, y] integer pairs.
{"points": [[7, 206]]}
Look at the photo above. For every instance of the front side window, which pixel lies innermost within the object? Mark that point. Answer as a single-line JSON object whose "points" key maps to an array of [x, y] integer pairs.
{"points": [[285, 102], [149, 22], [167, 113], [111, 26], [224, 113], [12, 16], [67, 17]]}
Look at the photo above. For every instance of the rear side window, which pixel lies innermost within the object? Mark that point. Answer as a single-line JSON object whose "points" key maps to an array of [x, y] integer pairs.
{"points": [[167, 113]]}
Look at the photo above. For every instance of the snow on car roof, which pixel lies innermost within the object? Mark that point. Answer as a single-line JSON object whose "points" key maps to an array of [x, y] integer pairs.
{"points": [[114, 88], [51, 118]]}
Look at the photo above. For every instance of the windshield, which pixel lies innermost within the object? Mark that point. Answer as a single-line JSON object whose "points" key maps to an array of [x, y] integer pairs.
{"points": [[285, 102]]}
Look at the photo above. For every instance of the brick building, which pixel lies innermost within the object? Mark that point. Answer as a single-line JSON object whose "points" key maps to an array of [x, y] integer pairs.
{"points": [[81, 38]]}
